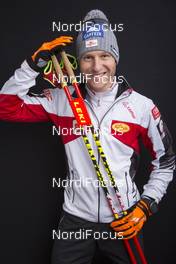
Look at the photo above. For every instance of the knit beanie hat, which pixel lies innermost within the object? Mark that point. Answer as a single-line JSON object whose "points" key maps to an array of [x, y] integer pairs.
{"points": [[96, 34]]}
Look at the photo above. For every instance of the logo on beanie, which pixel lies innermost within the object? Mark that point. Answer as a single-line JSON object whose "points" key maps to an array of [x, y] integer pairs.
{"points": [[95, 30], [91, 43]]}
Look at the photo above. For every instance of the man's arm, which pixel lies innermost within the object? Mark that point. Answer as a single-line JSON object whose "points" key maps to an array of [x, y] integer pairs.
{"points": [[15, 104], [157, 139]]}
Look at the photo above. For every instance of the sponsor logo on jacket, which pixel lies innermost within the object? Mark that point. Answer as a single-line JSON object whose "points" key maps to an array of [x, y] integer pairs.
{"points": [[155, 113], [121, 128], [126, 105]]}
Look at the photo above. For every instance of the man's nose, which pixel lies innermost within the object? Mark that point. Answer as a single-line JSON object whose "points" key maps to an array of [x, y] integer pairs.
{"points": [[97, 65]]}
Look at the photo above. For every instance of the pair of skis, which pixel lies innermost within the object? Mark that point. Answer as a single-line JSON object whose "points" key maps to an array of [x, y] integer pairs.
{"points": [[83, 120]]}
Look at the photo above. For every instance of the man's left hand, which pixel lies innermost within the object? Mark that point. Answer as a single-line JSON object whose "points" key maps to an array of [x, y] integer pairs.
{"points": [[130, 224]]}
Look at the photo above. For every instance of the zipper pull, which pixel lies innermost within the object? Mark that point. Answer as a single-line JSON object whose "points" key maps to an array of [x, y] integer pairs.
{"points": [[98, 102]]}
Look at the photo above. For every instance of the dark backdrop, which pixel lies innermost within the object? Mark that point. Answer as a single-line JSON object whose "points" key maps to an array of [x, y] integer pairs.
{"points": [[30, 156]]}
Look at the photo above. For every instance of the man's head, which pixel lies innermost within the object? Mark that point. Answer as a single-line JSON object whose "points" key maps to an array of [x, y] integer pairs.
{"points": [[97, 51]]}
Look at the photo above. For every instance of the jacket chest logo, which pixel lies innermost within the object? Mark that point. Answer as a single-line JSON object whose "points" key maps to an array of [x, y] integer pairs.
{"points": [[127, 133], [121, 128]]}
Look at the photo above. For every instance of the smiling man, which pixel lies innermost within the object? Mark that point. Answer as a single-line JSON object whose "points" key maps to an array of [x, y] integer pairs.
{"points": [[121, 116], [99, 68], [97, 52]]}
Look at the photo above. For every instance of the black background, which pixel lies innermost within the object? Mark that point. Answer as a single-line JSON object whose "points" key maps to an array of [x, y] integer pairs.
{"points": [[30, 156]]}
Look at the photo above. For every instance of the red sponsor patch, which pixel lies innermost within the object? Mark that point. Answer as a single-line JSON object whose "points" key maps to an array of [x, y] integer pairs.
{"points": [[127, 133], [155, 113]]}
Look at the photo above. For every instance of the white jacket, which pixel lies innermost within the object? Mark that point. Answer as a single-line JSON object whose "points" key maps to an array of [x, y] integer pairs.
{"points": [[131, 116]]}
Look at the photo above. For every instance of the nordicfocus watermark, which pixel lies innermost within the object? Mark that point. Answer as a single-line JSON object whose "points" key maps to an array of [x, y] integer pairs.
{"points": [[86, 26], [83, 234], [79, 183], [86, 130], [85, 78]]}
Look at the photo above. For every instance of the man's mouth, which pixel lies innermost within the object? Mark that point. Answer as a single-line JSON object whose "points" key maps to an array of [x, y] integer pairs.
{"points": [[97, 75]]}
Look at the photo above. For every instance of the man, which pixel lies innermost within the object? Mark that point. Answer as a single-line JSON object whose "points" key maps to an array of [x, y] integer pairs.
{"points": [[121, 116]]}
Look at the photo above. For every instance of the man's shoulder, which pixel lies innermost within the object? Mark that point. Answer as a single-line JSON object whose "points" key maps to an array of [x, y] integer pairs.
{"points": [[142, 103], [141, 97]]}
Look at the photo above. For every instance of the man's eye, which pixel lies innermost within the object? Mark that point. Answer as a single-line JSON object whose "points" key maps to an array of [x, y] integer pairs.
{"points": [[105, 56], [87, 58]]}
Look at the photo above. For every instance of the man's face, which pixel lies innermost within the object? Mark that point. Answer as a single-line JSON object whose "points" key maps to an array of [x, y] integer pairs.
{"points": [[99, 68]]}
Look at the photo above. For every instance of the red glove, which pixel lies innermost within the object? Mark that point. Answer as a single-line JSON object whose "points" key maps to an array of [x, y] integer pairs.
{"points": [[130, 224]]}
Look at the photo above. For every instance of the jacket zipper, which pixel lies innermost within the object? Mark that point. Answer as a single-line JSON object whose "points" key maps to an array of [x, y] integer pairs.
{"points": [[98, 188], [73, 185], [127, 189], [134, 192], [99, 124]]}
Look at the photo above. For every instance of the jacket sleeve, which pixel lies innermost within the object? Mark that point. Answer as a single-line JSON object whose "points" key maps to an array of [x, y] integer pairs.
{"points": [[156, 137], [17, 106]]}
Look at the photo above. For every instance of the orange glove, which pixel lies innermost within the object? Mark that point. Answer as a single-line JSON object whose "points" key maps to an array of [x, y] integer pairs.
{"points": [[130, 224], [42, 55]]}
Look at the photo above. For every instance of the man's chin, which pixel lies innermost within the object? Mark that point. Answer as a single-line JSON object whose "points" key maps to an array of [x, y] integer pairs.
{"points": [[98, 87]]}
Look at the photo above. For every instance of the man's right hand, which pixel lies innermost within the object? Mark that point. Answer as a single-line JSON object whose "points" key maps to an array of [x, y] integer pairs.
{"points": [[42, 55]]}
